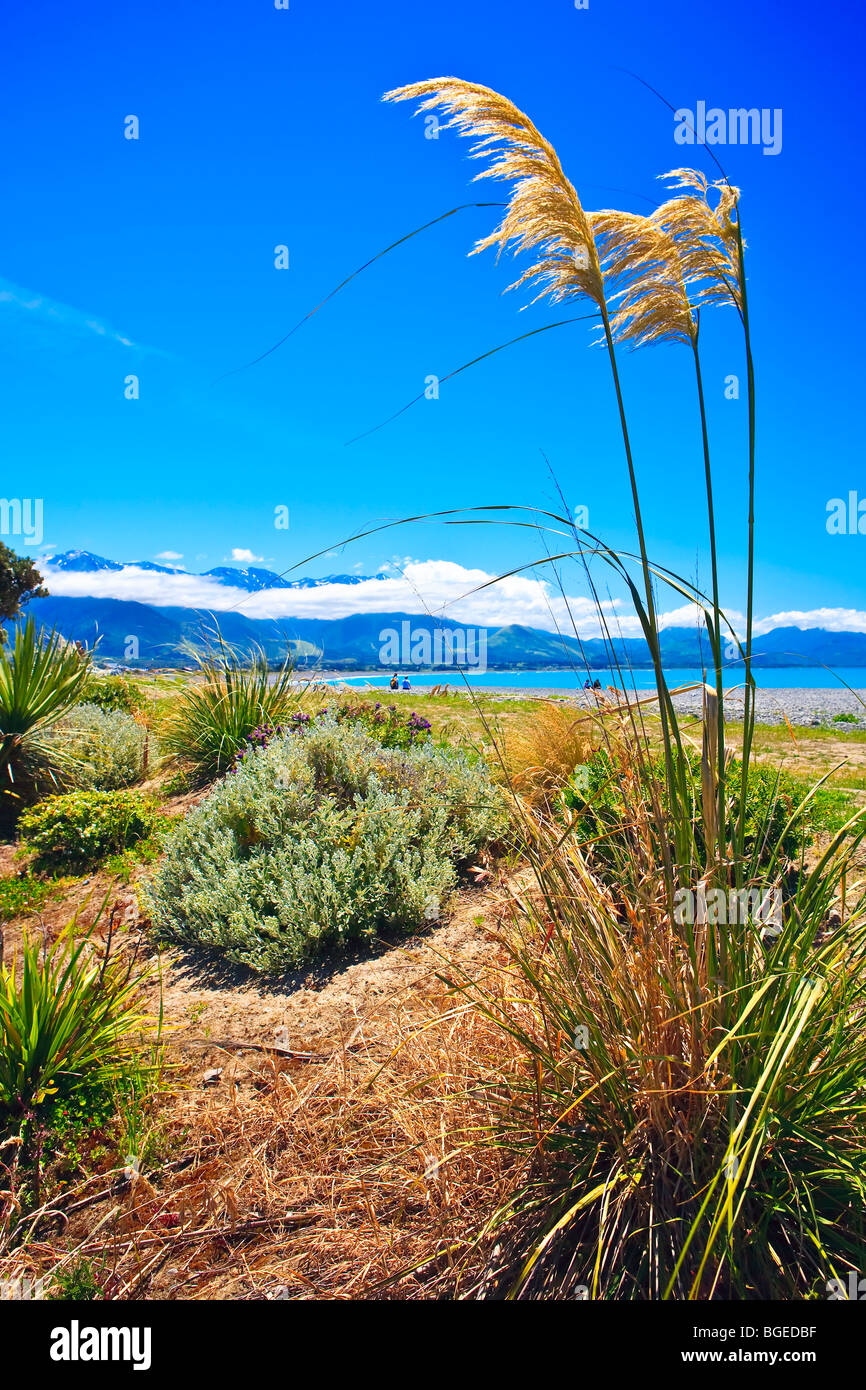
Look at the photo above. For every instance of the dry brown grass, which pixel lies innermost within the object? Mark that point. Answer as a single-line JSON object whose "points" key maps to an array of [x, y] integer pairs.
{"points": [[541, 752], [364, 1176]]}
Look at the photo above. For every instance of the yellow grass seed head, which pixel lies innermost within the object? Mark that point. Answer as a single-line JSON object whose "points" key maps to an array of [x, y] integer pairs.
{"points": [[652, 303], [544, 212], [706, 237]]}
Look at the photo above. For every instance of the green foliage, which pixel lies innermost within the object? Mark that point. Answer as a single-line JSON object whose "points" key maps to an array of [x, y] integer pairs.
{"points": [[776, 823], [41, 678], [77, 1283], [213, 719], [25, 893], [66, 1017], [106, 748], [392, 728], [113, 691], [20, 581], [319, 838], [846, 719], [80, 828]]}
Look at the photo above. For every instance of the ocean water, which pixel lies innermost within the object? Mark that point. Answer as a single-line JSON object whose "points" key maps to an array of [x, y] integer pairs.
{"points": [[783, 678]]}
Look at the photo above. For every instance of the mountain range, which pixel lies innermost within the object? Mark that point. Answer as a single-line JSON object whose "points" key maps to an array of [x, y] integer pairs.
{"points": [[163, 634], [251, 579]]}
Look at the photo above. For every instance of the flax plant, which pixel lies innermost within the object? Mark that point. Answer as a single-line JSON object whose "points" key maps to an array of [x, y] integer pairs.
{"points": [[41, 678], [236, 694]]}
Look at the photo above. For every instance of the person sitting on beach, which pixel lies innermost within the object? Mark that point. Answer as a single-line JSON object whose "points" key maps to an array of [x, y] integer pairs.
{"points": [[395, 684], [597, 685], [587, 684], [406, 685]]}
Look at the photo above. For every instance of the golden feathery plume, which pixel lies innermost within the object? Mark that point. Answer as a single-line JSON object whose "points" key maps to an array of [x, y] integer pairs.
{"points": [[544, 210], [652, 304], [706, 237]]}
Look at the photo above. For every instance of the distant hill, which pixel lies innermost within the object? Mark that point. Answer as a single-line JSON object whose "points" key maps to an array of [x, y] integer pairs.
{"points": [[353, 643]]}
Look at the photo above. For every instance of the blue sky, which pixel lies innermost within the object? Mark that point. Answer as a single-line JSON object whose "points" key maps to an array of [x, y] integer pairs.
{"points": [[261, 127]]}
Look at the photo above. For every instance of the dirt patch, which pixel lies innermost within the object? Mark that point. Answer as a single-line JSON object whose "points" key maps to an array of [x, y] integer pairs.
{"points": [[336, 1173], [207, 1002]]}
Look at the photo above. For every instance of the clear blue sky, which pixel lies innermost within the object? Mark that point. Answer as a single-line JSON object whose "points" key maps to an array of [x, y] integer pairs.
{"points": [[259, 127]]}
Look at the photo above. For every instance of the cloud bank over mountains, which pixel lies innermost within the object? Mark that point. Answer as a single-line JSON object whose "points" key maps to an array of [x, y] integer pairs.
{"points": [[440, 588]]}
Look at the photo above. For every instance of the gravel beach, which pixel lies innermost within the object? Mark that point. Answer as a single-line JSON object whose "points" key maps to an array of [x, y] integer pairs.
{"points": [[817, 706]]}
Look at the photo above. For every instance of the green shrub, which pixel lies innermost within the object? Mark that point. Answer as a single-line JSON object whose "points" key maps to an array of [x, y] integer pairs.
{"points": [[113, 692], [318, 838], [595, 794], [80, 828], [107, 748], [25, 893]]}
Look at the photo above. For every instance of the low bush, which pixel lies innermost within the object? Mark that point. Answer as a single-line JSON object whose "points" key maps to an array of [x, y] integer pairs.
{"points": [[107, 748], [113, 691], [318, 838], [80, 828]]}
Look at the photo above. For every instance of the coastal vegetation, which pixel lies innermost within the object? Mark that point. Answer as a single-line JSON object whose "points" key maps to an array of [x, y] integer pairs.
{"points": [[471, 1028]]}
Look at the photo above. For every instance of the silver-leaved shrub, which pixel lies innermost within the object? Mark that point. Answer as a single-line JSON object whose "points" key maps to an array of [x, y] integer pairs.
{"points": [[103, 749], [322, 837]]}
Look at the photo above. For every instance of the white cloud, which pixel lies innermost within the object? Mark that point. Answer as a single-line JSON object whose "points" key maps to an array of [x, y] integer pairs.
{"points": [[831, 619], [169, 555], [438, 587], [246, 557]]}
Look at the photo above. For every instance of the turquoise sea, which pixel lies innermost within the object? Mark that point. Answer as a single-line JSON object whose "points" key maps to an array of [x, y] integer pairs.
{"points": [[783, 678]]}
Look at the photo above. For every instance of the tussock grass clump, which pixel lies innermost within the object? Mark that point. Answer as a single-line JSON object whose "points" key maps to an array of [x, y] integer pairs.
{"points": [[541, 752], [212, 719], [692, 1115]]}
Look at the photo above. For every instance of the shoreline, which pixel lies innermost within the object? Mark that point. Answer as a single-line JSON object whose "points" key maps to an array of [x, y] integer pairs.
{"points": [[816, 706]]}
